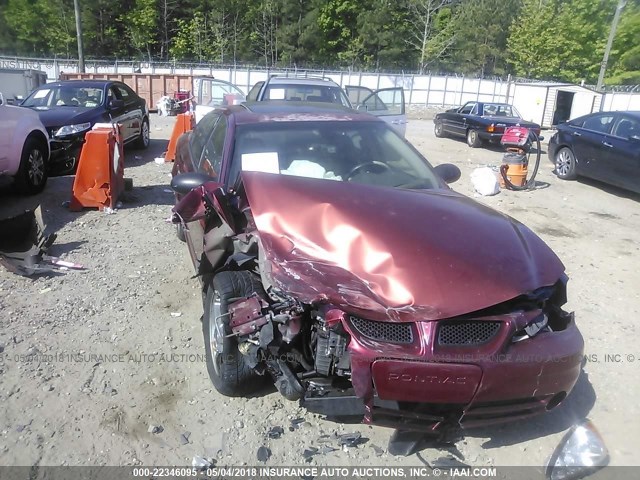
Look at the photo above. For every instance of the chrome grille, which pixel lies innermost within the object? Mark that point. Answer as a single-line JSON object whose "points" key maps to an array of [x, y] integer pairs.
{"points": [[465, 333], [383, 331]]}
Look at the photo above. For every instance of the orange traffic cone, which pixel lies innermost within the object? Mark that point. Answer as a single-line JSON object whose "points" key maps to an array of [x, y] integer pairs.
{"points": [[100, 176], [184, 123]]}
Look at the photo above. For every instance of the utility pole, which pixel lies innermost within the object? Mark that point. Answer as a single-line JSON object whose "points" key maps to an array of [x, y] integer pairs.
{"points": [[607, 50], [76, 7]]}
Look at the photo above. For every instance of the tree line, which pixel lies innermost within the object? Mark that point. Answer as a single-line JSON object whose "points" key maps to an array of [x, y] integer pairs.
{"points": [[542, 39]]}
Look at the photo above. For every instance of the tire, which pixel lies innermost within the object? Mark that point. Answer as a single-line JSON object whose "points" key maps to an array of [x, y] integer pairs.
{"points": [[142, 141], [565, 163], [32, 174], [437, 129], [473, 139], [226, 366], [180, 232]]}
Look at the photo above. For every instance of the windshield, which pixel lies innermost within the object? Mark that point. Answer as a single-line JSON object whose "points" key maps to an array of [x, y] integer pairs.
{"points": [[499, 110], [65, 96], [362, 152], [307, 93]]}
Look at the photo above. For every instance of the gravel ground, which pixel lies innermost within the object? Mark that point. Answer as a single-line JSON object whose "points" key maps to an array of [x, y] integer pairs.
{"points": [[94, 360]]}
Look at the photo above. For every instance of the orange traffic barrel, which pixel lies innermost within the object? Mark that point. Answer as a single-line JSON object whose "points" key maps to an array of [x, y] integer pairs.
{"points": [[184, 123], [99, 178]]}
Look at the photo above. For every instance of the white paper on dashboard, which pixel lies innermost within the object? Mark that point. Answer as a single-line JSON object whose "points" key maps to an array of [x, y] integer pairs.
{"points": [[266, 162], [41, 93], [276, 94]]}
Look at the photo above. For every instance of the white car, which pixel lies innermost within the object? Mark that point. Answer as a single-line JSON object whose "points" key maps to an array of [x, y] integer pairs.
{"points": [[24, 147]]}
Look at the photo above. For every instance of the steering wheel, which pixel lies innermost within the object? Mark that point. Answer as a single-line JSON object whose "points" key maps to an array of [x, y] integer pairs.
{"points": [[381, 167]]}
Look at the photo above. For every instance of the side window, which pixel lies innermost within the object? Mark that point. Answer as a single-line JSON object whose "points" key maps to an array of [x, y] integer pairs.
{"points": [[467, 108], [200, 135], [211, 161], [124, 93], [255, 90], [599, 123], [626, 127], [113, 94]]}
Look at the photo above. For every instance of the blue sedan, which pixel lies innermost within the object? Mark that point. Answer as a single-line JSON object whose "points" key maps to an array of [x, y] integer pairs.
{"points": [[604, 146]]}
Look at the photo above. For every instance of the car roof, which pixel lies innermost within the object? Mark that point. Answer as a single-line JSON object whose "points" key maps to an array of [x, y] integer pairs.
{"points": [[287, 111], [81, 83], [309, 81]]}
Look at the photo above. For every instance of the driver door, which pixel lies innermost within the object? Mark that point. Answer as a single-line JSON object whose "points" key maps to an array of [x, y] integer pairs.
{"points": [[386, 103], [211, 93]]}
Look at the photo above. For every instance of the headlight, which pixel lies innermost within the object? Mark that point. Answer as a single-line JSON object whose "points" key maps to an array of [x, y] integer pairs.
{"points": [[580, 453], [72, 129]]}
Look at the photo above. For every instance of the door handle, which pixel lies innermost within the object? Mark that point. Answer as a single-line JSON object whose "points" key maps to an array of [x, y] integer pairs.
{"points": [[577, 134], [607, 144], [398, 122]]}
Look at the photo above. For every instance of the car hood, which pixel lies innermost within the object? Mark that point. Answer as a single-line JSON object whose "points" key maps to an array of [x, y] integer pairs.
{"points": [[59, 116], [391, 254]]}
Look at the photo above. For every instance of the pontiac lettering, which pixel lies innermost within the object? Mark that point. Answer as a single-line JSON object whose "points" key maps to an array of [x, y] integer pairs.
{"points": [[437, 379]]}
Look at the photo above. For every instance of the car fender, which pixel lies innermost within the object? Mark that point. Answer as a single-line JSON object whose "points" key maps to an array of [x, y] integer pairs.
{"points": [[27, 123]]}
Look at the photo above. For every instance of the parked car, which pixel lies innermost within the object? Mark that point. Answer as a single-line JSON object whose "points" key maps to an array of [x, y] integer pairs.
{"points": [[335, 260], [68, 109], [604, 146], [480, 122], [24, 148], [386, 103]]}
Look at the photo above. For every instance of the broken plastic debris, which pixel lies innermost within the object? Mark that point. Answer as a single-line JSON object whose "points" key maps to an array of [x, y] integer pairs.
{"points": [[159, 160], [202, 463], [155, 429], [45, 290], [263, 454], [351, 439], [176, 314], [184, 438], [309, 452], [109, 210], [275, 432]]}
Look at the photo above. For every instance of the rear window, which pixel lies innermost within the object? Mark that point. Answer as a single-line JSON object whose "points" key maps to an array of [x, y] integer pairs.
{"points": [[306, 93]]}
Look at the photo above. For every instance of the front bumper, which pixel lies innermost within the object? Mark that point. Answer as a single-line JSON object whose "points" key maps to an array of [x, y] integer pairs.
{"points": [[65, 153], [433, 385]]}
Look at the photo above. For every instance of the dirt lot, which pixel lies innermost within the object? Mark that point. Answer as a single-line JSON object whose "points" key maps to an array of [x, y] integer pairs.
{"points": [[137, 300]]}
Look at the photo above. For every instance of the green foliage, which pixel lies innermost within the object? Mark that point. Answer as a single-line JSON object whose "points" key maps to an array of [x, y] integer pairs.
{"points": [[141, 24], [545, 39], [624, 62], [482, 28]]}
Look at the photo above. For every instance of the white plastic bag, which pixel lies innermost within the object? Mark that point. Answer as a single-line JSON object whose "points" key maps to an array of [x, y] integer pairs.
{"points": [[485, 181]]}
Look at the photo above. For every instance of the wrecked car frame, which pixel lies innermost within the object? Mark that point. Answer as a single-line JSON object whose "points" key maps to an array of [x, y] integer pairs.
{"points": [[359, 291]]}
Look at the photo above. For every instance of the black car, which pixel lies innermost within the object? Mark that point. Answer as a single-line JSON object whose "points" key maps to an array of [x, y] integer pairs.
{"points": [[479, 122], [68, 109], [604, 146]]}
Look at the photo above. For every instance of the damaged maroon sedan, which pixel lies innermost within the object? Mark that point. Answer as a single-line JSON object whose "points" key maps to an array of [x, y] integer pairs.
{"points": [[336, 261]]}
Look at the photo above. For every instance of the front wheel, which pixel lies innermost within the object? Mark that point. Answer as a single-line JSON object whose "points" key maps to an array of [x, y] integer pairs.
{"points": [[32, 173], [228, 371], [437, 129], [473, 139], [566, 164]]}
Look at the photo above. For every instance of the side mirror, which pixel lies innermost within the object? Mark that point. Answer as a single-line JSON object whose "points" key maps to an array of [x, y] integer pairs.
{"points": [[116, 103], [448, 172], [581, 452], [185, 182]]}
